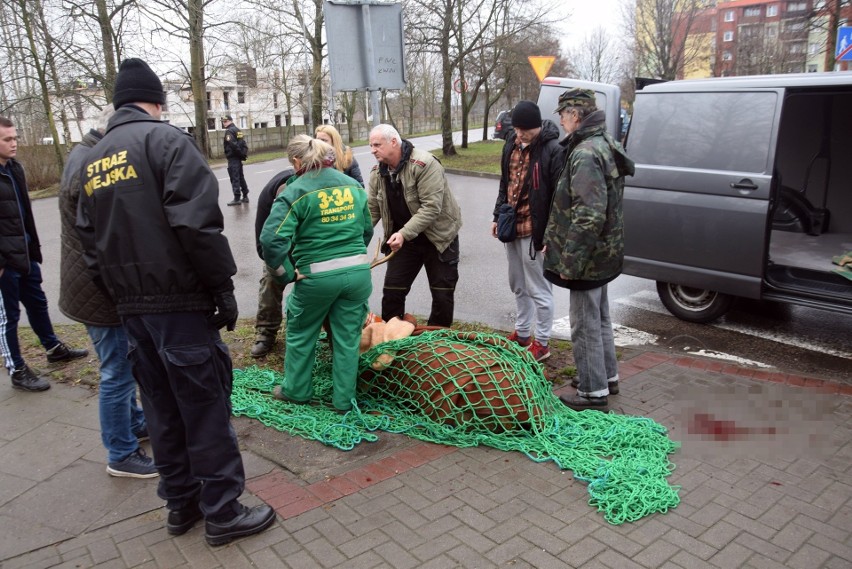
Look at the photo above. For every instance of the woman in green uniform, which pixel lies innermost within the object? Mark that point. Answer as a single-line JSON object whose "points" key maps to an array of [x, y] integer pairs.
{"points": [[316, 236]]}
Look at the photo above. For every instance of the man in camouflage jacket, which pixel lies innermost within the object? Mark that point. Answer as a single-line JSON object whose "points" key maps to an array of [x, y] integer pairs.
{"points": [[584, 241]]}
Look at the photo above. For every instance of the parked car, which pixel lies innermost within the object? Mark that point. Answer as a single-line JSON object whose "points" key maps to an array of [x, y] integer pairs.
{"points": [[502, 125], [741, 190]]}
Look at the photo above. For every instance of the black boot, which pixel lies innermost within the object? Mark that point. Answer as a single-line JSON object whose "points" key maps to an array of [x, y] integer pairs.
{"points": [[181, 520], [248, 521], [581, 402], [60, 353], [25, 380]]}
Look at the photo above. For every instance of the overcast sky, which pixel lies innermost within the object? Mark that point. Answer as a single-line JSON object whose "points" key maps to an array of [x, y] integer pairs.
{"points": [[586, 15]]}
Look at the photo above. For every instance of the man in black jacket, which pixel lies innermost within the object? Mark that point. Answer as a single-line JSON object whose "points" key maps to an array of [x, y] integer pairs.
{"points": [[151, 229], [531, 164], [233, 141], [270, 297], [20, 271]]}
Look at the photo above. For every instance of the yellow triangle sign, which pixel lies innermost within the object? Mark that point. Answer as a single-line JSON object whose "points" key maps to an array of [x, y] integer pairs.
{"points": [[541, 64]]}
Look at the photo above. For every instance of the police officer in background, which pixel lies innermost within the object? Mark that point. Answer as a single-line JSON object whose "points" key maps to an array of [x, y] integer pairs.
{"points": [[233, 138], [151, 230]]}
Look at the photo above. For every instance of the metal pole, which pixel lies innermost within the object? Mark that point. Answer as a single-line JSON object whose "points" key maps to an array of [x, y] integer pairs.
{"points": [[372, 76]]}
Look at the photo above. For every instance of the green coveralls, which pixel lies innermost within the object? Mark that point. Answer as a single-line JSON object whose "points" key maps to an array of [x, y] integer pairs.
{"points": [[320, 225]]}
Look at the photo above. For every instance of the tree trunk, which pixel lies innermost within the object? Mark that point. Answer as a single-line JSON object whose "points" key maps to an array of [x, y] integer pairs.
{"points": [[107, 45], [316, 71], [50, 60], [447, 101], [42, 80], [197, 75], [831, 34]]}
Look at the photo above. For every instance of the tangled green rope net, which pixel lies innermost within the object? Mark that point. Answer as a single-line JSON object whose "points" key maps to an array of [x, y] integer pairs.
{"points": [[467, 389]]}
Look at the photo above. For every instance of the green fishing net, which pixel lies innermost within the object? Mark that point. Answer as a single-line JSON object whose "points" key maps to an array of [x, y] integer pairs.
{"points": [[467, 389]]}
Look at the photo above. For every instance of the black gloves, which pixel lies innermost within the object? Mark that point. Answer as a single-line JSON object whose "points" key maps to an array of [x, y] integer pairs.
{"points": [[226, 311]]}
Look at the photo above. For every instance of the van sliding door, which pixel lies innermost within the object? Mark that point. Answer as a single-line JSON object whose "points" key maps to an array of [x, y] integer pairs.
{"points": [[696, 211]]}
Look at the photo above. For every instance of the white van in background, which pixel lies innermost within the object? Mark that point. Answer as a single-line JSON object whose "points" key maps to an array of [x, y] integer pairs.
{"points": [[608, 98]]}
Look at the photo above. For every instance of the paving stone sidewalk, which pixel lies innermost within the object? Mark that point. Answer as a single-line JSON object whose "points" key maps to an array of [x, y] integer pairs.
{"points": [[764, 470]]}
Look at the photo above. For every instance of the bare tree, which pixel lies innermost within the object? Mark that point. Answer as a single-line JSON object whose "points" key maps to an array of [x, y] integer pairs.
{"points": [[420, 87], [522, 82], [452, 29], [309, 15], [103, 26], [508, 23], [660, 29], [184, 19], [40, 43], [827, 18], [22, 98], [348, 106], [597, 58], [758, 53]]}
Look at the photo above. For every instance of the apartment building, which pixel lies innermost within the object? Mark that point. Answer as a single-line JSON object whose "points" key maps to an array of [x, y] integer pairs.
{"points": [[255, 100], [755, 37]]}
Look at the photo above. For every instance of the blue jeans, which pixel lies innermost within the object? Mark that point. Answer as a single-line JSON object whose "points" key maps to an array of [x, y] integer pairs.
{"points": [[121, 416], [594, 345], [20, 289]]}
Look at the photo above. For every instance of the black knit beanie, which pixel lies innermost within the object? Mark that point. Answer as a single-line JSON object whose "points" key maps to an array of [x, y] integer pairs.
{"points": [[136, 82], [526, 115]]}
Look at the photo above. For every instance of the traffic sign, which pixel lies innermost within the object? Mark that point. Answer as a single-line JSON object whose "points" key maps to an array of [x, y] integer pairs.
{"points": [[541, 64], [365, 45], [843, 49]]}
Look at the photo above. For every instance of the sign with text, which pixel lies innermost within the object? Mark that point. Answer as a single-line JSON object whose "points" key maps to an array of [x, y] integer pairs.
{"points": [[365, 46]]}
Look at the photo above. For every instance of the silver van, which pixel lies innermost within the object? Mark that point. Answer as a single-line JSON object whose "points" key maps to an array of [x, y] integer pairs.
{"points": [[743, 188]]}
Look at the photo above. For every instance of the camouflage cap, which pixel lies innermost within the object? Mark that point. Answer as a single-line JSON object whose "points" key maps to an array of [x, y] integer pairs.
{"points": [[576, 98]]}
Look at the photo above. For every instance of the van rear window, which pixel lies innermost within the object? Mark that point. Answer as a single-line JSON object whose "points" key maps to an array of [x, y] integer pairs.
{"points": [[707, 131]]}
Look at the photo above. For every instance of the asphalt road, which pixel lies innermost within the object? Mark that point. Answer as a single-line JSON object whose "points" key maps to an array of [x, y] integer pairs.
{"points": [[793, 339]]}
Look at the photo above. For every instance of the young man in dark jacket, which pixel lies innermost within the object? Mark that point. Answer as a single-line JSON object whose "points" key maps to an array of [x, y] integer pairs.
{"points": [[531, 164], [122, 420], [151, 229], [20, 271], [233, 140]]}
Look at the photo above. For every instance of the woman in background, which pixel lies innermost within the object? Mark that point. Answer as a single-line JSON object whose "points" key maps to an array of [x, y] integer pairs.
{"points": [[344, 161]]}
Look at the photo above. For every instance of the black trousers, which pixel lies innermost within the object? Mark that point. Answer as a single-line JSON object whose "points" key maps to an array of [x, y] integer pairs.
{"points": [[238, 180], [442, 270], [185, 377]]}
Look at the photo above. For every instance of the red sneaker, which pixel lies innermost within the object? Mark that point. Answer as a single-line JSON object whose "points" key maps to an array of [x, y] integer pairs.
{"points": [[517, 339], [539, 352]]}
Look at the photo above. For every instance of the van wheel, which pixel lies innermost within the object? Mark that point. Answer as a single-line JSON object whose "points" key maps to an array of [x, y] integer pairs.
{"points": [[693, 304]]}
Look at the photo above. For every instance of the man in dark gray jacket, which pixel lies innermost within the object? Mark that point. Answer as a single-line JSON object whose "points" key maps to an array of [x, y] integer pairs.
{"points": [[122, 420], [151, 228]]}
